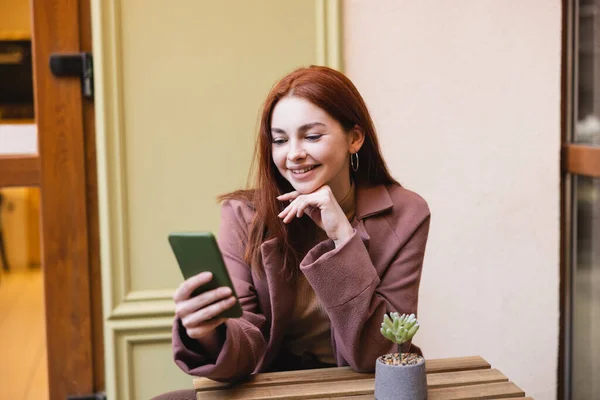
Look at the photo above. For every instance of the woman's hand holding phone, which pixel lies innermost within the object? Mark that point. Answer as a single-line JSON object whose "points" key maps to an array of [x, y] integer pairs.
{"points": [[197, 313]]}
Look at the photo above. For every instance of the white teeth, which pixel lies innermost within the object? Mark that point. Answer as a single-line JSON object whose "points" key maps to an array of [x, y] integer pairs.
{"points": [[301, 171]]}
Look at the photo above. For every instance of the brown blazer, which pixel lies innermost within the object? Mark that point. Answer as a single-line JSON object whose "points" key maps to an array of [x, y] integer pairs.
{"points": [[377, 271]]}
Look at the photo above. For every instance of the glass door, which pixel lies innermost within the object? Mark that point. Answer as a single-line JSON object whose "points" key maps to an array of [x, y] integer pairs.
{"points": [[581, 201]]}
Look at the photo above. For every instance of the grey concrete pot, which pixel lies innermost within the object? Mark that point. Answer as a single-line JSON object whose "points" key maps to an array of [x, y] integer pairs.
{"points": [[400, 382]]}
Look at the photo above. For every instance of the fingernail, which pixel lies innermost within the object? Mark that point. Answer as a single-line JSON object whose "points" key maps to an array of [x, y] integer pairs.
{"points": [[206, 274], [226, 291]]}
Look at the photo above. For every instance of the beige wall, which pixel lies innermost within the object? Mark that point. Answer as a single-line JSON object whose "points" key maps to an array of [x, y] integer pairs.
{"points": [[18, 138], [466, 98], [176, 110], [15, 17]]}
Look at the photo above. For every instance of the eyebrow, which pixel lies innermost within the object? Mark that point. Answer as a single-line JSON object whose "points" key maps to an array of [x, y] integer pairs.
{"points": [[303, 128]]}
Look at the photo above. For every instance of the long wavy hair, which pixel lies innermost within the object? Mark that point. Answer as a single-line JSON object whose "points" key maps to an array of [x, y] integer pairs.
{"points": [[333, 92]]}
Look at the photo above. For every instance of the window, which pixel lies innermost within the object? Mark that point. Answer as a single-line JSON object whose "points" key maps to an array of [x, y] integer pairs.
{"points": [[580, 272]]}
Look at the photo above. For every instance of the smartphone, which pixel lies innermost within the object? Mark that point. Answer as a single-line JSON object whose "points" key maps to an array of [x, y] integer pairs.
{"points": [[198, 252]]}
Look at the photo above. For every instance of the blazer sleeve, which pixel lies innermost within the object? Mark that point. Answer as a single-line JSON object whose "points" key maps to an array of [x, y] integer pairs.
{"points": [[240, 344], [356, 296]]}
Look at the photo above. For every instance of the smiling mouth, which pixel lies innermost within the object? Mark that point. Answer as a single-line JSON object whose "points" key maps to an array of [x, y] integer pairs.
{"points": [[304, 170]]}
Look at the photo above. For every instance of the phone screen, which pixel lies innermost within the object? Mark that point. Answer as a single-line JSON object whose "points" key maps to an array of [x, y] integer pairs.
{"points": [[198, 252]]}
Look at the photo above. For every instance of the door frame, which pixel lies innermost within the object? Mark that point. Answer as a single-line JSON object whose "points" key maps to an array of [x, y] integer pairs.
{"points": [[66, 177], [576, 159], [19, 170]]}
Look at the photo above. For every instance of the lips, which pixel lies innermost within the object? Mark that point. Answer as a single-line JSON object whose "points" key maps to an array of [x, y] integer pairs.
{"points": [[302, 170]]}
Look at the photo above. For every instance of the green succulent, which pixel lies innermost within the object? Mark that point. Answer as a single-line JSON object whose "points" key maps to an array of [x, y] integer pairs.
{"points": [[399, 328]]}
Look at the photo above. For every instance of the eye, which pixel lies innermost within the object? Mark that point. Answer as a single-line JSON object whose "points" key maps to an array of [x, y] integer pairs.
{"points": [[313, 137], [279, 141]]}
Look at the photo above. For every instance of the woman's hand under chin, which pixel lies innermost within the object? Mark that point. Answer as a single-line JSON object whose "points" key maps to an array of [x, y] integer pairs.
{"points": [[322, 207]]}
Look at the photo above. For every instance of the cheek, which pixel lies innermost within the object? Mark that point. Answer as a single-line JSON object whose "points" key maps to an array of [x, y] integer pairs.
{"points": [[278, 158], [321, 153], [334, 157]]}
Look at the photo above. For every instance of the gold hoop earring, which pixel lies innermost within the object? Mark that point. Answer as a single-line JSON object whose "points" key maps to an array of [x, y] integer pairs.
{"points": [[354, 161]]}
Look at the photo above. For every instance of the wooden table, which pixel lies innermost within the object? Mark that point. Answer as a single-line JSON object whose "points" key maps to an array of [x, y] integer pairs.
{"points": [[447, 378]]}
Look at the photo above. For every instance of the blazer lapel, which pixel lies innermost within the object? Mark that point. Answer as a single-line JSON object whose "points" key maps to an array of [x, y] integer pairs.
{"points": [[371, 200]]}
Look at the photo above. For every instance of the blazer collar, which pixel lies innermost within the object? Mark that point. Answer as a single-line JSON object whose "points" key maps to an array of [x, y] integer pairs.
{"points": [[371, 200]]}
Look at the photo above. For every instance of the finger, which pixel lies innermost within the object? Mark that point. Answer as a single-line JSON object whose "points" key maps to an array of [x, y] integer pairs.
{"points": [[184, 291], [312, 211], [291, 214], [186, 307], [209, 312], [289, 209], [302, 207], [285, 211], [288, 196], [199, 331]]}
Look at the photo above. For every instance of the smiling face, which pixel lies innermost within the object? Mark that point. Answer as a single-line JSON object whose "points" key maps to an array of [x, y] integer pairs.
{"points": [[310, 148]]}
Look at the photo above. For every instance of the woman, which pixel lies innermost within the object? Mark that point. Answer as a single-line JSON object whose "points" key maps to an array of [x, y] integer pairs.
{"points": [[323, 247]]}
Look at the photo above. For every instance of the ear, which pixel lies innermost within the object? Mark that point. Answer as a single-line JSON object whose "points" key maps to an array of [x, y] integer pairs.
{"points": [[357, 138]]}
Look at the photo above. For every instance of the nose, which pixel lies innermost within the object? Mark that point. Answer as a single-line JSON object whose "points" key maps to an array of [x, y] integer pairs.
{"points": [[296, 151]]}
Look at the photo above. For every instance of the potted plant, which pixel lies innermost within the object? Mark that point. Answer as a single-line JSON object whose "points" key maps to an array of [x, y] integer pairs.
{"points": [[400, 375]]}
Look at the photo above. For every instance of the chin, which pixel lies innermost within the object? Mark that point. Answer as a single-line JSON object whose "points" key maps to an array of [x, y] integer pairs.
{"points": [[305, 187]]}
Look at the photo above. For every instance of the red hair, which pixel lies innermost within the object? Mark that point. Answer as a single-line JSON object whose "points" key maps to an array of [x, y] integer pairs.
{"points": [[333, 92]]}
